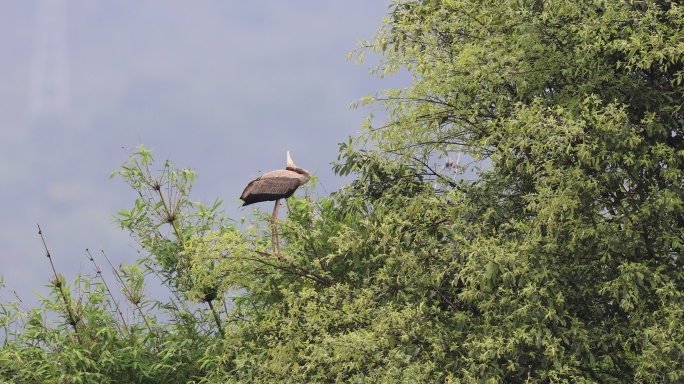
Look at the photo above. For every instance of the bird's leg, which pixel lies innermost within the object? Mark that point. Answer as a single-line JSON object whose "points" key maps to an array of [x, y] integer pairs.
{"points": [[289, 212], [275, 210], [274, 237]]}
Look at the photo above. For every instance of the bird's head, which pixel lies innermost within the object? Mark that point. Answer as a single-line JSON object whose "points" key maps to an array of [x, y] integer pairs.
{"points": [[292, 167], [290, 163]]}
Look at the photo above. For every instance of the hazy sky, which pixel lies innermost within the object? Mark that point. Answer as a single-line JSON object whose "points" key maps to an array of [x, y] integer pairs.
{"points": [[219, 86]]}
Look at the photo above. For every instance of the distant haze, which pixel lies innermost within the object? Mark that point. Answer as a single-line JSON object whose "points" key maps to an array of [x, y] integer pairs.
{"points": [[222, 87]]}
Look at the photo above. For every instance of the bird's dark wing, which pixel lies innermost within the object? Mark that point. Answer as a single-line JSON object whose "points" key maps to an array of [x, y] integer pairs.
{"points": [[271, 188]]}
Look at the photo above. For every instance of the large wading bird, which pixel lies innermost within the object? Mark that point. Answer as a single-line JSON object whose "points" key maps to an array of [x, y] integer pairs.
{"points": [[275, 185]]}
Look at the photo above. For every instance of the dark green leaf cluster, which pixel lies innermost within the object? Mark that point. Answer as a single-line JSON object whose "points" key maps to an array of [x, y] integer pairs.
{"points": [[40, 346], [576, 226]]}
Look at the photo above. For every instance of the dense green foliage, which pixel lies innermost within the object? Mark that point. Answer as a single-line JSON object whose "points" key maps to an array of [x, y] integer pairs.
{"points": [[560, 262], [101, 331]]}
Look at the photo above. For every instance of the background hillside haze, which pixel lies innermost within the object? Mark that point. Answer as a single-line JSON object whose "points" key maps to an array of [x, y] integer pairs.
{"points": [[224, 88]]}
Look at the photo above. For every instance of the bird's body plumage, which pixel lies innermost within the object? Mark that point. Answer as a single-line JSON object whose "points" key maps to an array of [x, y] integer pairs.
{"points": [[275, 185]]}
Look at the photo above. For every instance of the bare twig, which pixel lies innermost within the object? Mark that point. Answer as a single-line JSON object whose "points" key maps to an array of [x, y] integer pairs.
{"points": [[73, 319], [129, 293], [116, 303], [297, 270]]}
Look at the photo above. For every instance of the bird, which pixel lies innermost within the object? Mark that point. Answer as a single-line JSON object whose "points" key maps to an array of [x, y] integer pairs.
{"points": [[275, 185]]}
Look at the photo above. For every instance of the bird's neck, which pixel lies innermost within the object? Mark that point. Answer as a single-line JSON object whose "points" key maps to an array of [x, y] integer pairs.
{"points": [[305, 175], [295, 168]]}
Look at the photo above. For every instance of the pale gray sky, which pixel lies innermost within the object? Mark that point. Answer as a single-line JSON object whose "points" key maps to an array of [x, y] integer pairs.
{"points": [[220, 86]]}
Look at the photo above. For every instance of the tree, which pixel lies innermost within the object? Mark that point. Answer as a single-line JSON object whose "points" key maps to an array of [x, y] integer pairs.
{"points": [[560, 262], [84, 332], [569, 255]]}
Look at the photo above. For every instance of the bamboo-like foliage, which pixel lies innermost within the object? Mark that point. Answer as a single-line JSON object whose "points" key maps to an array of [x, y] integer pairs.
{"points": [[559, 261]]}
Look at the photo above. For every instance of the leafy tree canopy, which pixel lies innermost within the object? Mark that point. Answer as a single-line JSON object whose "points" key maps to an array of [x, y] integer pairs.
{"points": [[560, 262]]}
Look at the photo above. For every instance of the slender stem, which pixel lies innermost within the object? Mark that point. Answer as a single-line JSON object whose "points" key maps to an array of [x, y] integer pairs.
{"points": [[129, 293], [275, 238], [59, 284], [116, 303], [216, 318], [170, 216], [297, 270]]}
